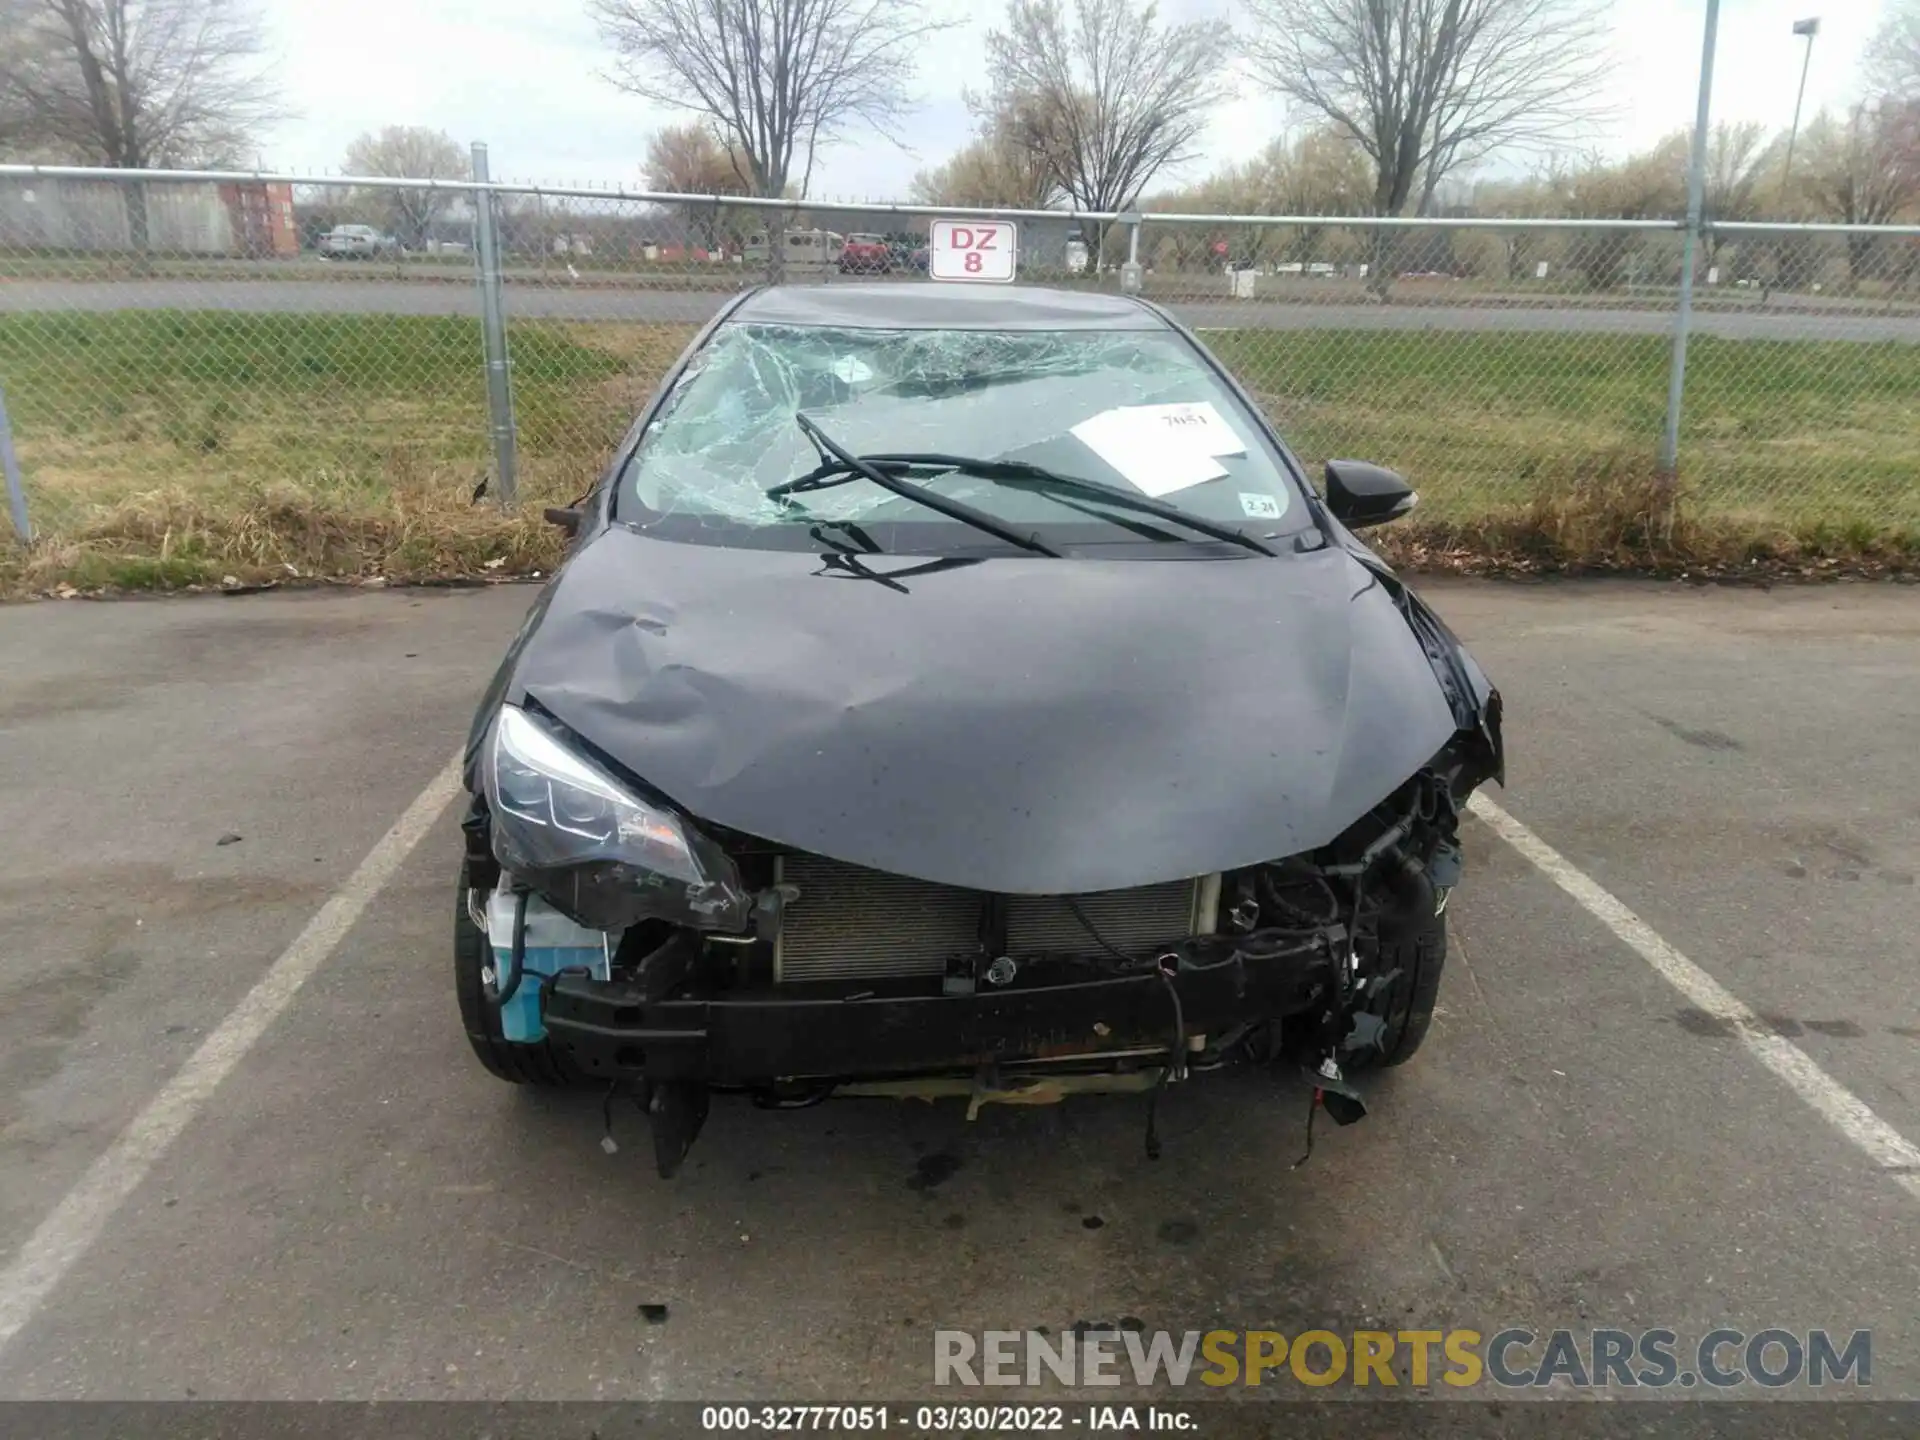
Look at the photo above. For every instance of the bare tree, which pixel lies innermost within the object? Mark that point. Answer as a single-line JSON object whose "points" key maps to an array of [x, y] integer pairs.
{"points": [[989, 176], [1739, 157], [777, 79], [133, 84], [29, 52], [1646, 186], [409, 152], [1739, 160], [1864, 169], [1103, 92], [1519, 250], [1867, 167], [1317, 172], [1427, 87], [997, 169], [1320, 172], [687, 160], [1893, 55]]}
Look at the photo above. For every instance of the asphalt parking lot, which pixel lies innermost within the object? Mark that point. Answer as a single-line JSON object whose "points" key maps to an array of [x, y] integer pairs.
{"points": [[356, 1210]]}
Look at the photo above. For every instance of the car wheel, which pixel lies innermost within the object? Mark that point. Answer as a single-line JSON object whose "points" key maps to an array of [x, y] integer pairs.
{"points": [[539, 1064], [1405, 1007]]}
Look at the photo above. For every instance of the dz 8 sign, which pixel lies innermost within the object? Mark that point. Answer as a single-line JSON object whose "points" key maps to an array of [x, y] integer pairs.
{"points": [[971, 250]]}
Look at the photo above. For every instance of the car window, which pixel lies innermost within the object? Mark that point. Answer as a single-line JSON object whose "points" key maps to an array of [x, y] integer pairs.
{"points": [[727, 432]]}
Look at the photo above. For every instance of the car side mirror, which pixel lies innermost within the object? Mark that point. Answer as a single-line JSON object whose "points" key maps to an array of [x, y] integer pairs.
{"points": [[568, 520], [1360, 494]]}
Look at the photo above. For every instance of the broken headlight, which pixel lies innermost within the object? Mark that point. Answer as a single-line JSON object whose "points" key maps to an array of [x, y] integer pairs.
{"points": [[594, 848]]}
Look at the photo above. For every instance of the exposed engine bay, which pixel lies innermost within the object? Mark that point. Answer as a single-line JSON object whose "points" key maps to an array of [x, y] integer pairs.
{"points": [[845, 980]]}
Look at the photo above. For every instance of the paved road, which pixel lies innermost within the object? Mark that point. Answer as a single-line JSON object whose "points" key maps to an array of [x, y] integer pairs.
{"points": [[358, 1211], [659, 306]]}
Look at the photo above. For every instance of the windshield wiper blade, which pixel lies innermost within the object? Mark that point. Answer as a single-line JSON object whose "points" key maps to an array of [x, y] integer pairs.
{"points": [[952, 509], [1022, 472], [861, 538], [1041, 478]]}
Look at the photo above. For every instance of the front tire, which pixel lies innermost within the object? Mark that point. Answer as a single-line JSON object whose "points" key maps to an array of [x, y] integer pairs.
{"points": [[1406, 1006], [538, 1064]]}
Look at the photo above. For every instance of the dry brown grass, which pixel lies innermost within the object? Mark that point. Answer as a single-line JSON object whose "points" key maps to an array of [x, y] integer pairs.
{"points": [[169, 451], [1614, 515], [186, 458], [174, 538], [1614, 512]]}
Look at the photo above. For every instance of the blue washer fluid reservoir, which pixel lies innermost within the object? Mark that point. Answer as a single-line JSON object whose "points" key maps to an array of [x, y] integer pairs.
{"points": [[554, 943]]}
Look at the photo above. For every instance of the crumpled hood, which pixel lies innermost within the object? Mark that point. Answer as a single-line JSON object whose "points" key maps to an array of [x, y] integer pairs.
{"points": [[1013, 725]]}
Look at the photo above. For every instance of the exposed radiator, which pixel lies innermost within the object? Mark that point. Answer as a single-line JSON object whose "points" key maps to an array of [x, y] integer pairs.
{"points": [[849, 922], [1125, 919], [853, 923]]}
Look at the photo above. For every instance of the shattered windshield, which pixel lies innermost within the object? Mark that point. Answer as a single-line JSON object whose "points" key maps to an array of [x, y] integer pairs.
{"points": [[1138, 411]]}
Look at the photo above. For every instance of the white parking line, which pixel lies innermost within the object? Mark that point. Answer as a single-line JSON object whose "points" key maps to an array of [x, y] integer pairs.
{"points": [[83, 1213], [1891, 1151], [76, 1222]]}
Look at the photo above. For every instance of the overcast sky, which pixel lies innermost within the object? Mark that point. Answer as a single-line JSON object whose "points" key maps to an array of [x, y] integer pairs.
{"points": [[525, 78]]}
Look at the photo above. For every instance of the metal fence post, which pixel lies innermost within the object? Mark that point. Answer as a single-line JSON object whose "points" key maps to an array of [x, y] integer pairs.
{"points": [[1132, 273], [493, 327], [1696, 180], [16, 490]]}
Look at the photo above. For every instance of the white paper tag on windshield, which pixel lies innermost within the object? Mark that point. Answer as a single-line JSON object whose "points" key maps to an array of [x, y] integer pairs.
{"points": [[1260, 507], [1198, 425], [1157, 458]]}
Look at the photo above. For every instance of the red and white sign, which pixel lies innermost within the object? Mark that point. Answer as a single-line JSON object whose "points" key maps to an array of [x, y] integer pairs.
{"points": [[977, 250]]}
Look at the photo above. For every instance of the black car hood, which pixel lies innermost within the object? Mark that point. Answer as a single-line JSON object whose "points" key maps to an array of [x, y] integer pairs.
{"points": [[1018, 725]]}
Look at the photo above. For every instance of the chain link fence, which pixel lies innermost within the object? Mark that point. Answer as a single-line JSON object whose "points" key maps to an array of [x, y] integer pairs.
{"points": [[178, 348]]}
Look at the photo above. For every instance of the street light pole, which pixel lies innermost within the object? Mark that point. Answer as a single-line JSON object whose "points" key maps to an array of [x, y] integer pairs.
{"points": [[1808, 28]]}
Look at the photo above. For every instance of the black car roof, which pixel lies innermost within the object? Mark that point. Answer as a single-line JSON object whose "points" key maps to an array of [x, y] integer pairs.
{"points": [[929, 305]]}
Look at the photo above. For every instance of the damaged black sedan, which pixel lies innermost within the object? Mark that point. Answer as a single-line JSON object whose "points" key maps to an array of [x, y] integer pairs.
{"points": [[962, 691]]}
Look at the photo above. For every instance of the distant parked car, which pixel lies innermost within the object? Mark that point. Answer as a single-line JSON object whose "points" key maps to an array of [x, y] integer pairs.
{"points": [[866, 255], [356, 242], [807, 253]]}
